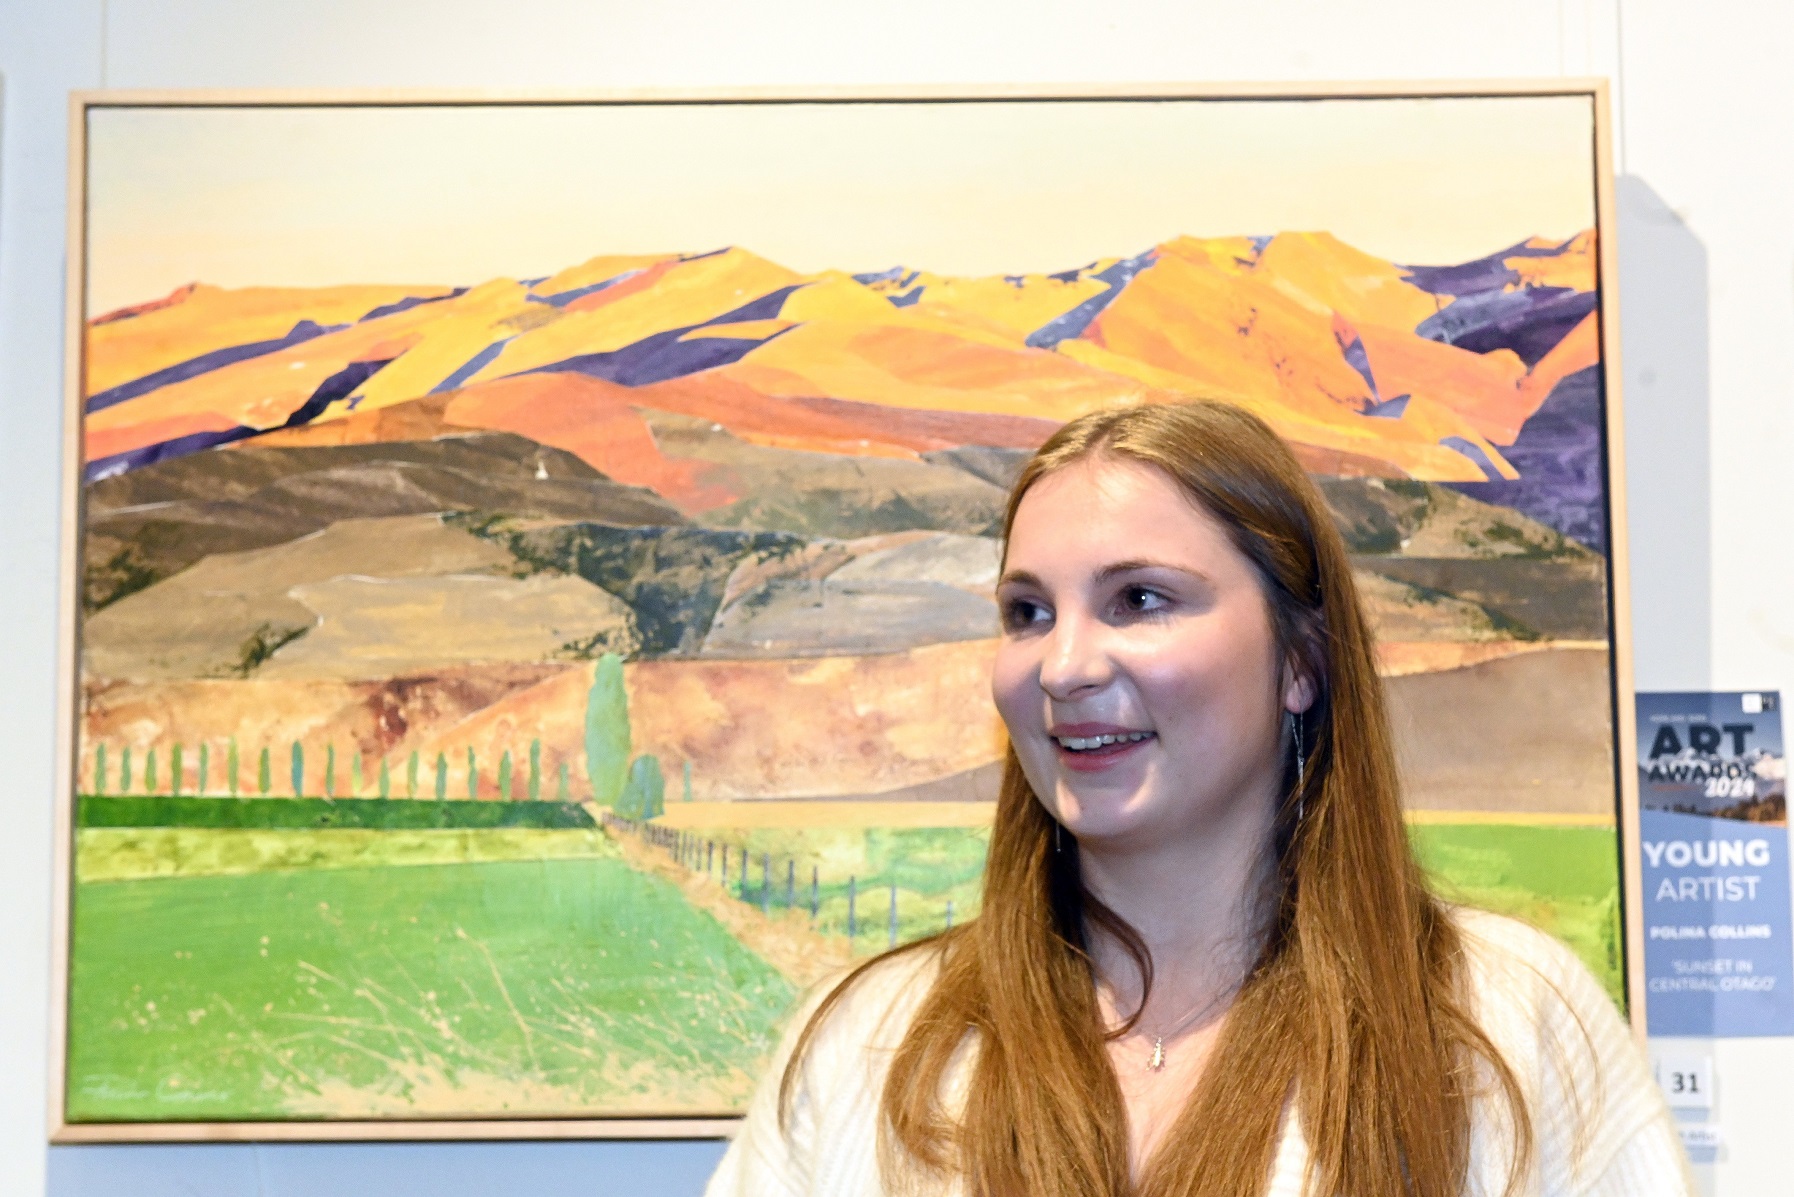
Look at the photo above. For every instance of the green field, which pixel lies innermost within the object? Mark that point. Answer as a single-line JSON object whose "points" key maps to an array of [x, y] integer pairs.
{"points": [[1564, 880], [346, 972], [557, 987], [930, 867]]}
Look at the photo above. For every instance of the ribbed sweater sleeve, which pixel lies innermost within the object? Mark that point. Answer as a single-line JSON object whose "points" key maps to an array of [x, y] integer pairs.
{"points": [[1651, 1161], [1600, 1125]]}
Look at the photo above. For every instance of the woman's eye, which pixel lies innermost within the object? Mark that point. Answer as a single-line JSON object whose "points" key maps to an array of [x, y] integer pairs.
{"points": [[1141, 600], [1022, 613]]}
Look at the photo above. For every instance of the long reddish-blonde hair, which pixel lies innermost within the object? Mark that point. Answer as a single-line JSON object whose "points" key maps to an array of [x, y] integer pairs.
{"points": [[1356, 1008]]}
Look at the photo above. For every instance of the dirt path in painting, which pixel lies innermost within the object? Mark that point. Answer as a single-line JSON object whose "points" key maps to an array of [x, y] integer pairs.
{"points": [[783, 940]]}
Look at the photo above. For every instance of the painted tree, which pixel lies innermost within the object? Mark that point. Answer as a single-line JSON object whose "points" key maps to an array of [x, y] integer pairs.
{"points": [[688, 779], [442, 777], [330, 770], [504, 776], [124, 771], [230, 766], [176, 773], [356, 784], [264, 773], [205, 767], [535, 770], [411, 776], [150, 773], [644, 793], [646, 777], [298, 769], [561, 793], [385, 780], [99, 769], [607, 731], [473, 777]]}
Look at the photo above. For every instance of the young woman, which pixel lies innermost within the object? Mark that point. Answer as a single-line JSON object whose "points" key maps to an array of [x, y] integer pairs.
{"points": [[1207, 962]]}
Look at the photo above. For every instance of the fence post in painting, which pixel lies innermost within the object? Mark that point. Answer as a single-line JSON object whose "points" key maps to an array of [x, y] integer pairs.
{"points": [[765, 883], [893, 914], [99, 769], [790, 885], [852, 927], [709, 857], [205, 767], [815, 891]]}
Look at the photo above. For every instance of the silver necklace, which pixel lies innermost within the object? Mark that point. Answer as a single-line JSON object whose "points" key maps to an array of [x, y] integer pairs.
{"points": [[1157, 1061]]}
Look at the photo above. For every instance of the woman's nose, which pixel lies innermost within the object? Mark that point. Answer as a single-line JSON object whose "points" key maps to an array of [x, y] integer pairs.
{"points": [[1076, 659]]}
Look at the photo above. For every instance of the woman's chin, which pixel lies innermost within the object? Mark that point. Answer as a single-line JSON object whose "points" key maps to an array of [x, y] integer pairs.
{"points": [[1106, 820]]}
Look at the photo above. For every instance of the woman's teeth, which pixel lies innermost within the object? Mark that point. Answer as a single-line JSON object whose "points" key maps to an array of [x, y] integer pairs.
{"points": [[1086, 743]]}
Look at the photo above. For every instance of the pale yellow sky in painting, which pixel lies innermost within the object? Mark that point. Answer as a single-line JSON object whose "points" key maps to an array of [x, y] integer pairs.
{"points": [[457, 195]]}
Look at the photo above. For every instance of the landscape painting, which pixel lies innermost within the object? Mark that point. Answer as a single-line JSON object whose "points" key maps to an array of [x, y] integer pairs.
{"points": [[535, 561]]}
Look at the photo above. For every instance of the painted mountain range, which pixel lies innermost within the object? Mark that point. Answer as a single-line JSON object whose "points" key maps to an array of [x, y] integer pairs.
{"points": [[400, 517]]}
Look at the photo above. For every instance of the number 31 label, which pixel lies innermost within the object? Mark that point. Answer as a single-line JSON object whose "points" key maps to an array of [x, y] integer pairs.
{"points": [[1687, 1080]]}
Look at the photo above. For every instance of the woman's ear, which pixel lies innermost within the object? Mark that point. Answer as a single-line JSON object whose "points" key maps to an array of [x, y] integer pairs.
{"points": [[1298, 687]]}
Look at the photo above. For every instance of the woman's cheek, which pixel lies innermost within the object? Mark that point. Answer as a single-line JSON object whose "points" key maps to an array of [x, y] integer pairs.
{"points": [[1007, 686]]}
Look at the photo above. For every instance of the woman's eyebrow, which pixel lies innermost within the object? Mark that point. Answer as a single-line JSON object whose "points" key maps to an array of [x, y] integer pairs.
{"points": [[1019, 577], [1108, 572]]}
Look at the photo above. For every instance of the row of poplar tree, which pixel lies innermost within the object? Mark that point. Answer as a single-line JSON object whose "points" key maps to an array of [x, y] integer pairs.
{"points": [[633, 786]]}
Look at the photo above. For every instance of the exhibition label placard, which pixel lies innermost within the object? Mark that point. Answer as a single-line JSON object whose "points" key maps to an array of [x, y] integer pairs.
{"points": [[1714, 839]]}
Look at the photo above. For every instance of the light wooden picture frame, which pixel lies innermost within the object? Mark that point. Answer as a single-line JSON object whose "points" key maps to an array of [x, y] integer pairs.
{"points": [[528, 558]]}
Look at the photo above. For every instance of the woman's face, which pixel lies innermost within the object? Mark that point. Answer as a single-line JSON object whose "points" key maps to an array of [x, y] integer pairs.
{"points": [[1138, 671]]}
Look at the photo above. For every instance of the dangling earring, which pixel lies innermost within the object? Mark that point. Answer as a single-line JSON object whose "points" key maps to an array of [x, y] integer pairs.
{"points": [[1301, 766], [1058, 844]]}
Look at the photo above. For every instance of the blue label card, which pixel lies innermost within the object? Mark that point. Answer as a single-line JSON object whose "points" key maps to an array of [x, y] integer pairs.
{"points": [[1719, 950]]}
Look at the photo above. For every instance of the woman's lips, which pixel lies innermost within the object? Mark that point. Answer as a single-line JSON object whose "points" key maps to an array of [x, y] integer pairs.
{"points": [[1127, 742]]}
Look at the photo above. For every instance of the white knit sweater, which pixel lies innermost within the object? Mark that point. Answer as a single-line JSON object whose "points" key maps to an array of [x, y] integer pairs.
{"points": [[1600, 1124]]}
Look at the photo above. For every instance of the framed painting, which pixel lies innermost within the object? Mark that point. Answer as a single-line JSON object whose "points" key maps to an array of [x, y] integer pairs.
{"points": [[530, 560]]}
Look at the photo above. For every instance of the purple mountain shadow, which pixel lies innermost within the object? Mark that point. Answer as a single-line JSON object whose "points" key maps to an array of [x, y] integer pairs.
{"points": [[1558, 454], [1529, 322]]}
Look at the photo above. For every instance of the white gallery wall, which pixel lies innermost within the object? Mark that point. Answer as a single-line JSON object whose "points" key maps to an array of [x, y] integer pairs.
{"points": [[1705, 147]]}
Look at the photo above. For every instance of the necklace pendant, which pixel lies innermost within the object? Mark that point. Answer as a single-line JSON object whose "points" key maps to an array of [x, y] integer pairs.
{"points": [[1157, 1063]]}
